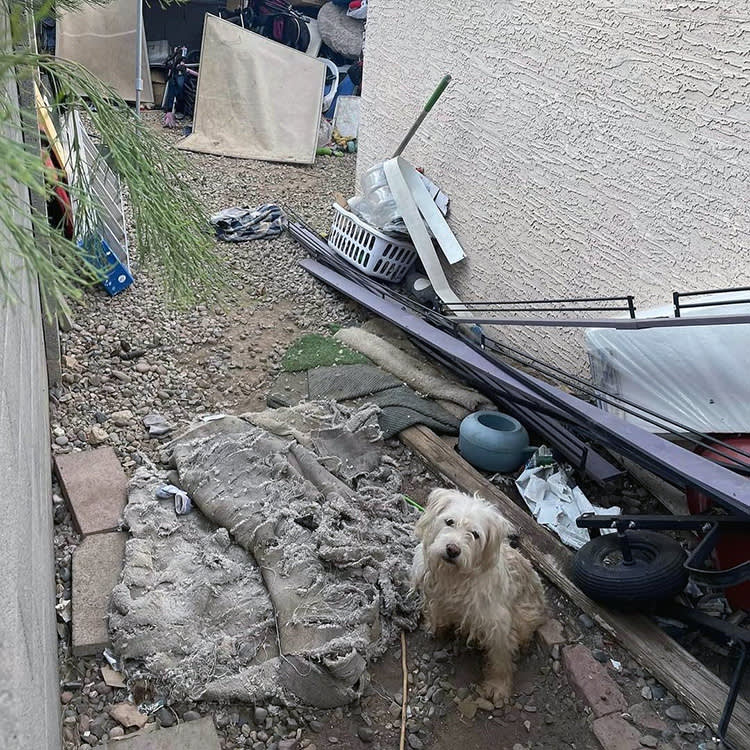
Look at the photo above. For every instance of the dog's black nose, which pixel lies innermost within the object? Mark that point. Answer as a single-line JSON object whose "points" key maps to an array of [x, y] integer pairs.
{"points": [[452, 550]]}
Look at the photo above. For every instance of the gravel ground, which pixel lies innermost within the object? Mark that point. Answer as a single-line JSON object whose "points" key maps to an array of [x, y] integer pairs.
{"points": [[131, 355]]}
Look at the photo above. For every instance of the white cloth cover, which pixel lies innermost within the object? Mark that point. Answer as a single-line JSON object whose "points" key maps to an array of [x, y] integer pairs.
{"points": [[102, 39]]}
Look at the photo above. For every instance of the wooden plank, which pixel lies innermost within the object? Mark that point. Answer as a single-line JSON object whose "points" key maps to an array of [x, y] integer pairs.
{"points": [[680, 672], [672, 498]]}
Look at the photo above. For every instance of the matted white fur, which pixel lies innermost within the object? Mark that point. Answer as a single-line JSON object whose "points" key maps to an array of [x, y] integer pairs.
{"points": [[473, 581]]}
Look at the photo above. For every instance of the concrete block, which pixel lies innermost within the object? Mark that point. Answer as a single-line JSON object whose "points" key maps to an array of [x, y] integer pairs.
{"points": [[95, 487], [193, 735], [551, 634], [591, 681], [614, 733], [97, 565]]}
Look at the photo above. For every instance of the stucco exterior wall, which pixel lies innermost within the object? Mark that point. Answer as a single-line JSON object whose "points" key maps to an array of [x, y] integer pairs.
{"points": [[29, 695], [588, 147]]}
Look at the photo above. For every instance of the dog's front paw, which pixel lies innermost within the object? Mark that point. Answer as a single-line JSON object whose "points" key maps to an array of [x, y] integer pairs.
{"points": [[496, 690]]}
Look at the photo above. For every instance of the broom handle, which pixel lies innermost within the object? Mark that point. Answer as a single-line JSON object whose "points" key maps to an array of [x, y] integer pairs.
{"points": [[427, 107]]}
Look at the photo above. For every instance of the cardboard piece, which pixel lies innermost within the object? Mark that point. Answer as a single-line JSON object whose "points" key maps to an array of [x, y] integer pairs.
{"points": [[257, 99]]}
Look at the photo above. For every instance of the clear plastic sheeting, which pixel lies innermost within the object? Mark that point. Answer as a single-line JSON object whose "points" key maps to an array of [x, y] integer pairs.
{"points": [[697, 376]]}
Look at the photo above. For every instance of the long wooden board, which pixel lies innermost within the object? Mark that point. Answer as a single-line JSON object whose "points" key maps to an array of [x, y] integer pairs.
{"points": [[676, 669]]}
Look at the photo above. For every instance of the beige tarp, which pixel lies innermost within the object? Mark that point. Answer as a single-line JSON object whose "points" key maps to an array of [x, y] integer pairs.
{"points": [[257, 99], [102, 39]]}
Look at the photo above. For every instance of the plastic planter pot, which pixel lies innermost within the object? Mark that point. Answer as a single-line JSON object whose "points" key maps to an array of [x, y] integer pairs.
{"points": [[492, 441]]}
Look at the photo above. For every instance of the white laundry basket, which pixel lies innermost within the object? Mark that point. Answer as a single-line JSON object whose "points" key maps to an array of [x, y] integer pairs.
{"points": [[373, 252]]}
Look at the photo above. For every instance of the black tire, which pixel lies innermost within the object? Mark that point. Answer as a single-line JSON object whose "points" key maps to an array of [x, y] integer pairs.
{"points": [[656, 575]]}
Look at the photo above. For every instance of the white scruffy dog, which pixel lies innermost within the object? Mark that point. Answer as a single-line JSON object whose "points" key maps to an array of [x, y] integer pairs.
{"points": [[473, 581]]}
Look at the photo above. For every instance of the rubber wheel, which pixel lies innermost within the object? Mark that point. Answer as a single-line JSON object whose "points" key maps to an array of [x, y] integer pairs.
{"points": [[656, 574]]}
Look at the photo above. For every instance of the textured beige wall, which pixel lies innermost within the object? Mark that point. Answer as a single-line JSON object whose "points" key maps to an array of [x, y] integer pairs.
{"points": [[587, 146]]}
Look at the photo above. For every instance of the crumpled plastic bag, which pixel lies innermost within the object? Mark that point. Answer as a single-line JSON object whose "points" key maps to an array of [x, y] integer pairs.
{"points": [[555, 502]]}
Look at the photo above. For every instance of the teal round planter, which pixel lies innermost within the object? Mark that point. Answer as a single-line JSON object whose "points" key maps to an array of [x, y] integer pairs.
{"points": [[492, 441]]}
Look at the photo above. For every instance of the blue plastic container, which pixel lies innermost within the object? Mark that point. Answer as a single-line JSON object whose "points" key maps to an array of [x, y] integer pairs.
{"points": [[117, 276], [493, 442]]}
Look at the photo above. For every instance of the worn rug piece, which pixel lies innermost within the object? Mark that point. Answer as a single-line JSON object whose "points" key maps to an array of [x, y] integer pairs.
{"points": [[410, 370], [400, 407], [290, 575]]}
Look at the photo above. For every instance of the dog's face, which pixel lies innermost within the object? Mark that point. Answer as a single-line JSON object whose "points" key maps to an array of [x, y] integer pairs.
{"points": [[460, 531]]}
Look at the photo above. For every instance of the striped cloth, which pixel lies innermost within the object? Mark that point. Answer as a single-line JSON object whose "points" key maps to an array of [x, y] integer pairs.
{"points": [[242, 224]]}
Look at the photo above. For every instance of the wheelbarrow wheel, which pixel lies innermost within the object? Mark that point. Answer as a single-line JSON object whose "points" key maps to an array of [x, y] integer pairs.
{"points": [[656, 573]]}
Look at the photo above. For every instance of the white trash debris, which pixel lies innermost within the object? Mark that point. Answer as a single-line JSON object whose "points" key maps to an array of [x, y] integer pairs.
{"points": [[555, 502]]}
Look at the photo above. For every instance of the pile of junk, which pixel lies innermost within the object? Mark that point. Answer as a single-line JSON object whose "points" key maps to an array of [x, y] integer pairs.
{"points": [[687, 442]]}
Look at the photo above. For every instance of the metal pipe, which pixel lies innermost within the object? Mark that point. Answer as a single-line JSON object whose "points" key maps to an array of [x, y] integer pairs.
{"points": [[463, 303], [138, 56], [715, 291], [626, 324], [427, 107]]}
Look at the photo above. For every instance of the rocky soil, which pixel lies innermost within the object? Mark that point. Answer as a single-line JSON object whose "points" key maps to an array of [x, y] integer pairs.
{"points": [[130, 356]]}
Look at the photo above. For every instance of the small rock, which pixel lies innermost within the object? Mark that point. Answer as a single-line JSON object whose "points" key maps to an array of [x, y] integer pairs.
{"points": [[366, 734], [599, 655], [260, 714], [165, 717], [127, 715], [97, 436], [677, 712], [288, 745], [66, 696], [690, 728], [645, 717], [122, 418], [315, 726], [414, 742], [191, 716], [468, 708], [484, 705], [649, 741], [61, 440], [440, 656], [585, 621], [116, 732], [658, 692], [527, 725], [143, 367], [647, 693]]}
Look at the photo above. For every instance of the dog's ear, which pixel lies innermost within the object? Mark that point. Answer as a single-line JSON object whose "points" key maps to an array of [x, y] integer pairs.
{"points": [[499, 529], [437, 501]]}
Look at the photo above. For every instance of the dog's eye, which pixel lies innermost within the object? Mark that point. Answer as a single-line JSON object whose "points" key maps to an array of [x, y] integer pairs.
{"points": [[475, 534], [449, 522]]}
